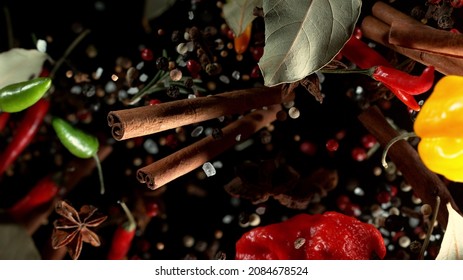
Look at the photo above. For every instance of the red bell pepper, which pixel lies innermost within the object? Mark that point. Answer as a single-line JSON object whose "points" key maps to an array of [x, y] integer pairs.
{"points": [[25, 133], [43, 192], [328, 236], [123, 236]]}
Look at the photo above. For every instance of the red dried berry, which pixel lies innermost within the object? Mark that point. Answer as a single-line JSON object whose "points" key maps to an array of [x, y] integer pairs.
{"points": [[257, 52], [193, 67], [147, 54], [332, 145], [383, 197], [255, 73], [368, 141], [359, 154]]}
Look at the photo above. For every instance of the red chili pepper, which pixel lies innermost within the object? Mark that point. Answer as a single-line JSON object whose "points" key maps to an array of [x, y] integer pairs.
{"points": [[359, 53], [122, 238], [43, 192], [405, 82], [27, 129], [406, 98], [328, 236], [4, 117], [456, 3]]}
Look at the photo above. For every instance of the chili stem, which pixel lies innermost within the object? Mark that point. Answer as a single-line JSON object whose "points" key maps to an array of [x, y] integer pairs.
{"points": [[128, 213], [430, 228], [68, 51], [368, 72], [100, 173], [403, 136]]}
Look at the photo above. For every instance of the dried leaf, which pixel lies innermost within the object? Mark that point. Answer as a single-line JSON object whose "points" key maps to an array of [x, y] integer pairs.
{"points": [[239, 13], [16, 244], [155, 8], [18, 65], [452, 243], [302, 37], [312, 84]]}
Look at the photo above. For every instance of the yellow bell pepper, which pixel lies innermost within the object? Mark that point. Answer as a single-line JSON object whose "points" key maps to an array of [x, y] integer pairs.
{"points": [[440, 127]]}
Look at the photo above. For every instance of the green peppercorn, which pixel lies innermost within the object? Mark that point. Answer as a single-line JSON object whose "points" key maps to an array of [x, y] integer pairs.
{"points": [[19, 96]]}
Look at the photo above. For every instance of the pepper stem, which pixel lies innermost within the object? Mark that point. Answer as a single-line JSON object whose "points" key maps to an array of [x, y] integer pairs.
{"points": [[100, 173], [430, 228], [403, 136], [368, 72], [131, 219], [68, 52]]}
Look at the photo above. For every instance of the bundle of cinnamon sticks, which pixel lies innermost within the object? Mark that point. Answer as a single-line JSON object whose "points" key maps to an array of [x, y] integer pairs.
{"points": [[260, 106], [405, 35]]}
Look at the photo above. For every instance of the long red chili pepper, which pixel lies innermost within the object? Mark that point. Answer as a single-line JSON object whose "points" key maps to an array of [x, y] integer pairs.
{"points": [[27, 129], [406, 98], [43, 192], [359, 53], [4, 117], [122, 238], [403, 81]]}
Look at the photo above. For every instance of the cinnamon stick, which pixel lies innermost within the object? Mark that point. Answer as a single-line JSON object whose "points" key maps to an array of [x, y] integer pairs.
{"points": [[425, 183], [378, 31], [389, 14], [425, 38], [189, 158], [140, 121]]}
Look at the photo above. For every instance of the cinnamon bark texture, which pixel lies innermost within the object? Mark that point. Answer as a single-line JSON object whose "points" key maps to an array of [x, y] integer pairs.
{"points": [[378, 28], [425, 38], [426, 184], [189, 158], [389, 14], [378, 31], [140, 121]]}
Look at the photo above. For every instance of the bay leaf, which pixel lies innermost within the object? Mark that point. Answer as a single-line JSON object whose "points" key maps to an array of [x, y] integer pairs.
{"points": [[16, 244], [238, 14], [19, 65], [303, 36], [155, 8], [452, 243]]}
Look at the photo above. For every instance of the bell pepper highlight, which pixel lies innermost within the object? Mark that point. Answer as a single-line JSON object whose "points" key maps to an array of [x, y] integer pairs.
{"points": [[438, 125], [328, 236]]}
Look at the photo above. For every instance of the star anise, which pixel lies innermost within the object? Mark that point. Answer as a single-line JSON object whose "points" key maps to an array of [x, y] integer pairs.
{"points": [[74, 228]]}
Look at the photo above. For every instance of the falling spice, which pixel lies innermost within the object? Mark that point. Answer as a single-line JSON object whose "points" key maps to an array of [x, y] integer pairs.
{"points": [[74, 228]]}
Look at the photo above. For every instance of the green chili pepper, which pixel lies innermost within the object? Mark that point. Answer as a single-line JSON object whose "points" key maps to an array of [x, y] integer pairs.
{"points": [[78, 143], [19, 96]]}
